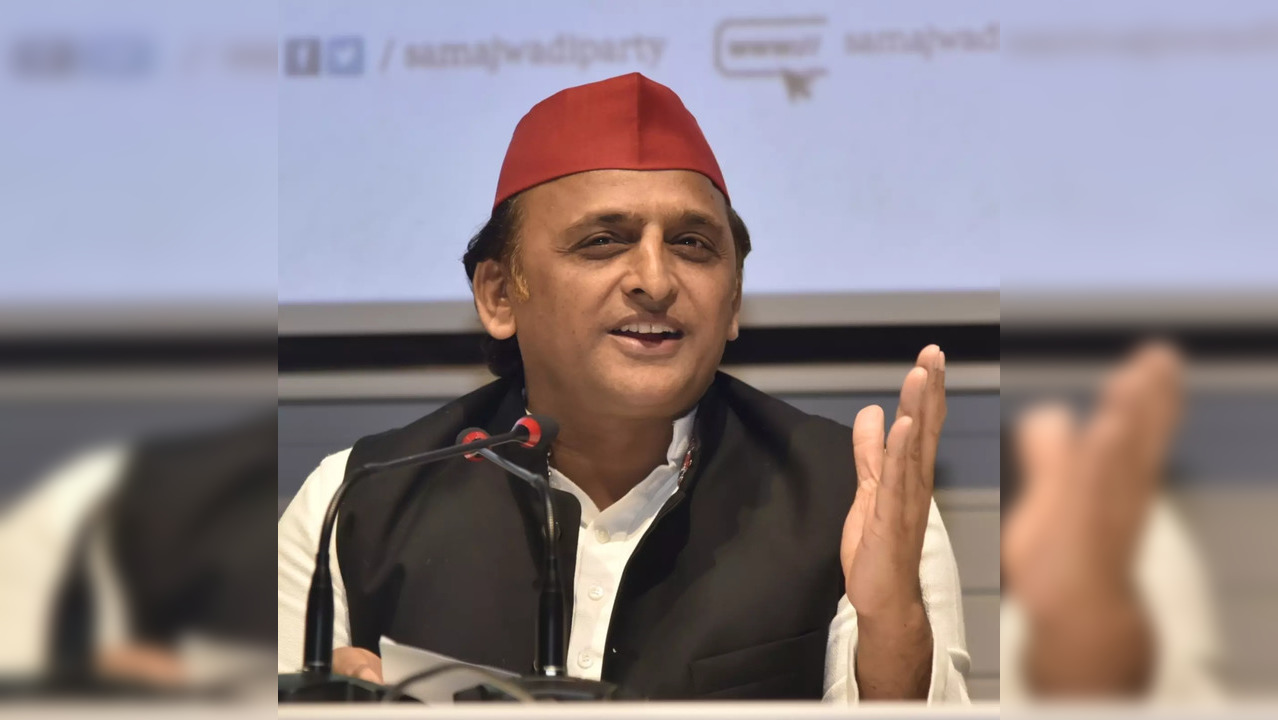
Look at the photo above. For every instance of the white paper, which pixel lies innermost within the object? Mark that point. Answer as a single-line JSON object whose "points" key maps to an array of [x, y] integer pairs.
{"points": [[402, 661]]}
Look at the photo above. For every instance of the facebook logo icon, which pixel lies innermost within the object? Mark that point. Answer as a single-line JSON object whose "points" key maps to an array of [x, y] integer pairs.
{"points": [[302, 56], [337, 55], [344, 55]]}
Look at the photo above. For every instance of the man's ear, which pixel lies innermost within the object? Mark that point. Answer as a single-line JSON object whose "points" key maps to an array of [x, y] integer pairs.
{"points": [[492, 299]]}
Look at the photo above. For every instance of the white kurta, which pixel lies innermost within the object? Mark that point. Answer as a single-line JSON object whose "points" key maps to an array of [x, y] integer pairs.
{"points": [[605, 543]]}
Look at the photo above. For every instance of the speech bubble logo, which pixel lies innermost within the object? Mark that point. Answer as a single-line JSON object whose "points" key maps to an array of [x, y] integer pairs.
{"points": [[786, 48]]}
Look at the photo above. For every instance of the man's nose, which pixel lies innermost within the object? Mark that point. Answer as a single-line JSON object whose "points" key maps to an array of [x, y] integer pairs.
{"points": [[650, 279]]}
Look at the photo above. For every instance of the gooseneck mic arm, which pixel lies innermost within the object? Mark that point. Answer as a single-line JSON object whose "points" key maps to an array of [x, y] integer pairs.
{"points": [[552, 630], [317, 656], [551, 680]]}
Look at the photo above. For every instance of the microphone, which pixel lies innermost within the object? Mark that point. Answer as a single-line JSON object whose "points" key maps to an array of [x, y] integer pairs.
{"points": [[551, 680], [552, 631], [531, 431], [316, 682]]}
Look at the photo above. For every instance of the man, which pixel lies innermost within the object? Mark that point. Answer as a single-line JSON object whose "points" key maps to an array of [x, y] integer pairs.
{"points": [[725, 545]]}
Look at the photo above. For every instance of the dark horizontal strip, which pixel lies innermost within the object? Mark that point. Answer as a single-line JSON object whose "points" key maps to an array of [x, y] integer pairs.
{"points": [[780, 345], [134, 352], [766, 346], [963, 343], [1200, 342]]}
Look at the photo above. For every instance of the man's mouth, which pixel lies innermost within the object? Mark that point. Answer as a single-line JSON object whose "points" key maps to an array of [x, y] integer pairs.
{"points": [[648, 332]]}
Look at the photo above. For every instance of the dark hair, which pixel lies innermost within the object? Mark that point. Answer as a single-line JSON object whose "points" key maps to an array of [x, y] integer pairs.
{"points": [[495, 241]]}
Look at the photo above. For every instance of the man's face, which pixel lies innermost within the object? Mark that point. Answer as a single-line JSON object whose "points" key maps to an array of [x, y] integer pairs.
{"points": [[632, 288]]}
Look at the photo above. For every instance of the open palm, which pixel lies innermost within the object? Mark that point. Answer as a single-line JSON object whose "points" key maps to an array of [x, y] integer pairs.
{"points": [[883, 534]]}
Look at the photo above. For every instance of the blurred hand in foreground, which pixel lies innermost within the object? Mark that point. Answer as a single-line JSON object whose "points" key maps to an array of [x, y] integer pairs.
{"points": [[1069, 543]]}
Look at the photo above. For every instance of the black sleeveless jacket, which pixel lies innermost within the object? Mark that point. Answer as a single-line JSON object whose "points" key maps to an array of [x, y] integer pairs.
{"points": [[728, 595]]}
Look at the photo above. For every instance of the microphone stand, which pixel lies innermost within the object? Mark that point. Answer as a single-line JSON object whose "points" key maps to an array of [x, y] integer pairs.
{"points": [[550, 680], [317, 682]]}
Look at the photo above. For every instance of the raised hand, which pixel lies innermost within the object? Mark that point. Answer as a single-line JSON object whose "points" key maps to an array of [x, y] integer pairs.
{"points": [[883, 535], [1086, 487], [1069, 544]]}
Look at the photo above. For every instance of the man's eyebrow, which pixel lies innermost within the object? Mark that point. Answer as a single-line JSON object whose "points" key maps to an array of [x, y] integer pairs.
{"points": [[607, 217], [686, 219], [692, 218]]}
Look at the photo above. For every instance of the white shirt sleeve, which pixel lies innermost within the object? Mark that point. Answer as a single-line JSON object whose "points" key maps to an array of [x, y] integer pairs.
{"points": [[299, 530], [38, 535], [943, 601], [1173, 585]]}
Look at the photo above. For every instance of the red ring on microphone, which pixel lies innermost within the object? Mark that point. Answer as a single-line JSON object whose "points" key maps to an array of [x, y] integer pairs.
{"points": [[534, 431], [471, 437]]}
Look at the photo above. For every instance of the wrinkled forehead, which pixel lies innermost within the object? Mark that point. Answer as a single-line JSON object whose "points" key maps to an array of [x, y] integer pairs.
{"points": [[655, 195]]}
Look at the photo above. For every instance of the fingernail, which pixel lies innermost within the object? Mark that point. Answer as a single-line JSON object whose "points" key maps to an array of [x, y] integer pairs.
{"points": [[940, 360]]}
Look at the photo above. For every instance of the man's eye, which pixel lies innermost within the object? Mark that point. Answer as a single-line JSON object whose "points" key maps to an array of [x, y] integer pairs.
{"points": [[691, 241], [601, 247]]}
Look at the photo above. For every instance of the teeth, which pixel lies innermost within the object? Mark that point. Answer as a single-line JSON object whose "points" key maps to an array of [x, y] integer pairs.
{"points": [[647, 328]]}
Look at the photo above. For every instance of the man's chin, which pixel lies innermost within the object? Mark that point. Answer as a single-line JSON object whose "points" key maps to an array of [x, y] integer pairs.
{"points": [[653, 392]]}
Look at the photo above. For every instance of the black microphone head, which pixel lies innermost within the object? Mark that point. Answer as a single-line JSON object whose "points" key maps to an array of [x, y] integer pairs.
{"points": [[542, 430]]}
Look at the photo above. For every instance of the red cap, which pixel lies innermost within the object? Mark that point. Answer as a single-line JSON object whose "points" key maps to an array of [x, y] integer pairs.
{"points": [[623, 123]]}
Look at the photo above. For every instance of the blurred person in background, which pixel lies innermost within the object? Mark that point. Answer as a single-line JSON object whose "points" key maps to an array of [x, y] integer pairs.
{"points": [[138, 567], [726, 544], [134, 311], [1104, 593]]}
